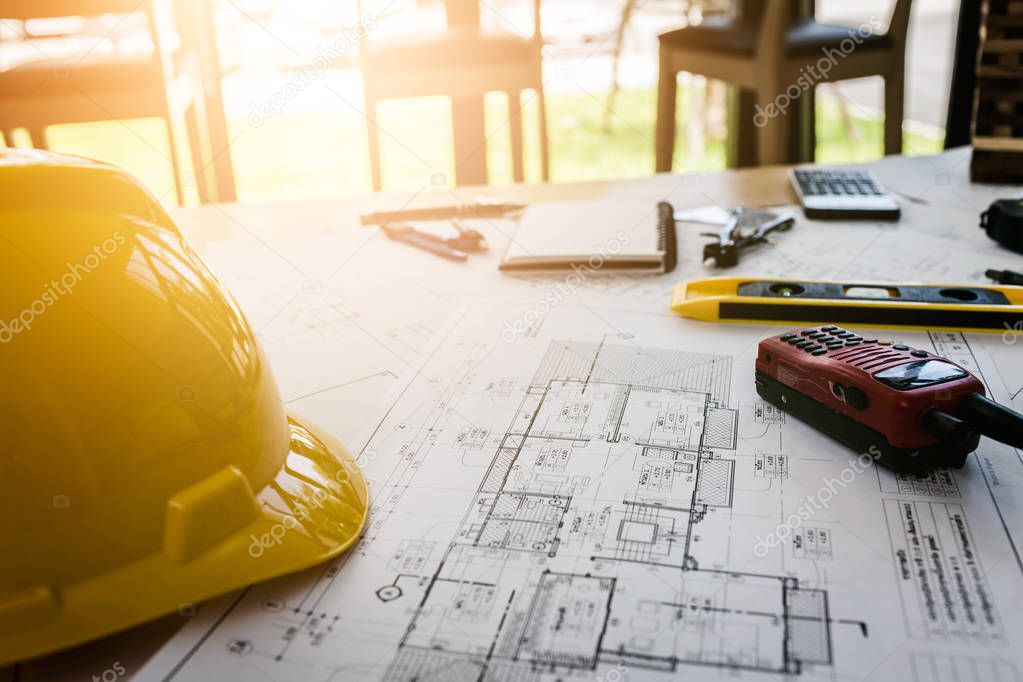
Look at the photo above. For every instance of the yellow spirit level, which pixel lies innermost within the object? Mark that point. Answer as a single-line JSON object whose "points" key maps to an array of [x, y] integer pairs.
{"points": [[878, 304]]}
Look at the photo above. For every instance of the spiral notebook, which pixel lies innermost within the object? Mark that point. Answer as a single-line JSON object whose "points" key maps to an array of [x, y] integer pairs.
{"points": [[617, 234]]}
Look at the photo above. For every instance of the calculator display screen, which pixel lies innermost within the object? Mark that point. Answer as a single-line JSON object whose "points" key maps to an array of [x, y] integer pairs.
{"points": [[919, 374]]}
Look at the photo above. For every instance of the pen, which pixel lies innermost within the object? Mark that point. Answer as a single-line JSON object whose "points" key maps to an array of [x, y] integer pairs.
{"points": [[403, 233], [477, 210], [468, 239], [1006, 277]]}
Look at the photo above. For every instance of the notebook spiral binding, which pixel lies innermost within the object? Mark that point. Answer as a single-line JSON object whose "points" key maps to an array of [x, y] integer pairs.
{"points": [[667, 238]]}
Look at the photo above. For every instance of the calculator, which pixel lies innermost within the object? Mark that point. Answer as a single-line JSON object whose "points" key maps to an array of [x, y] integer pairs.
{"points": [[843, 194]]}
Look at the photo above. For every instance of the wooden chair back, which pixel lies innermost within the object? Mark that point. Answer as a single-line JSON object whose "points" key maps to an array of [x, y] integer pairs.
{"points": [[774, 23], [898, 24], [24, 10]]}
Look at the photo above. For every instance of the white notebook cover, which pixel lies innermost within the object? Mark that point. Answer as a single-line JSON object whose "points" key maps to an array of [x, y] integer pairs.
{"points": [[624, 233]]}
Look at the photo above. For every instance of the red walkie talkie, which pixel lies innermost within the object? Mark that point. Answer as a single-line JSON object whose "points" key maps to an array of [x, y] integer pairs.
{"points": [[913, 409]]}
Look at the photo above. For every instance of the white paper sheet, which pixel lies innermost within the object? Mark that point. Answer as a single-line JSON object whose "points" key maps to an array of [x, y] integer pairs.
{"points": [[641, 472], [595, 499]]}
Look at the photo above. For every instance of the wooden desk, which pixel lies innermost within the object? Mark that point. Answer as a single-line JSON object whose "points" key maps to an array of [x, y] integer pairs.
{"points": [[950, 213]]}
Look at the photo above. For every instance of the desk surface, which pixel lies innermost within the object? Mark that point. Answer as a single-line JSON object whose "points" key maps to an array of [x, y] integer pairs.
{"points": [[940, 206]]}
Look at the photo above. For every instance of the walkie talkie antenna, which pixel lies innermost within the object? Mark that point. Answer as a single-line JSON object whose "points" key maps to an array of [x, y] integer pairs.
{"points": [[950, 429], [991, 419]]}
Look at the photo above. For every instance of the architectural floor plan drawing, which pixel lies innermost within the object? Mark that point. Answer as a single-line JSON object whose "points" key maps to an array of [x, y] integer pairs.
{"points": [[593, 502], [609, 568]]}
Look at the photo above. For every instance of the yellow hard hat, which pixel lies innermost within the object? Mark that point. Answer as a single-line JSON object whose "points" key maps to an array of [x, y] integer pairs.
{"points": [[146, 459]]}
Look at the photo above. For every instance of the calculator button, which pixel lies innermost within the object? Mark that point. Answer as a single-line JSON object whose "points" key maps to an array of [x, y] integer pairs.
{"points": [[801, 343], [919, 354], [851, 342], [786, 337], [829, 328], [819, 351], [900, 347]]}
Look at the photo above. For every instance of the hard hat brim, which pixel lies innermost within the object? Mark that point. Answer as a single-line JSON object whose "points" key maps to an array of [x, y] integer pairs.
{"points": [[314, 509]]}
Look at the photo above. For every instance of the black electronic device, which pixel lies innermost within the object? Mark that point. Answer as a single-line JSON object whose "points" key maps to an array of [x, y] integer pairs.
{"points": [[909, 408], [1003, 222]]}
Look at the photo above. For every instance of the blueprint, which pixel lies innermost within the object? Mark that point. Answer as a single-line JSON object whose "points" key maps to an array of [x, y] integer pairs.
{"points": [[599, 494]]}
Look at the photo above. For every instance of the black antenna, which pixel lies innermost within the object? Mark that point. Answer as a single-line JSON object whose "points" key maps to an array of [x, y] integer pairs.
{"points": [[991, 419], [951, 430]]}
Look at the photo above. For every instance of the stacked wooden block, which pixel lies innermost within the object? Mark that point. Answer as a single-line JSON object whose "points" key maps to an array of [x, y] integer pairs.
{"points": [[998, 114]]}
